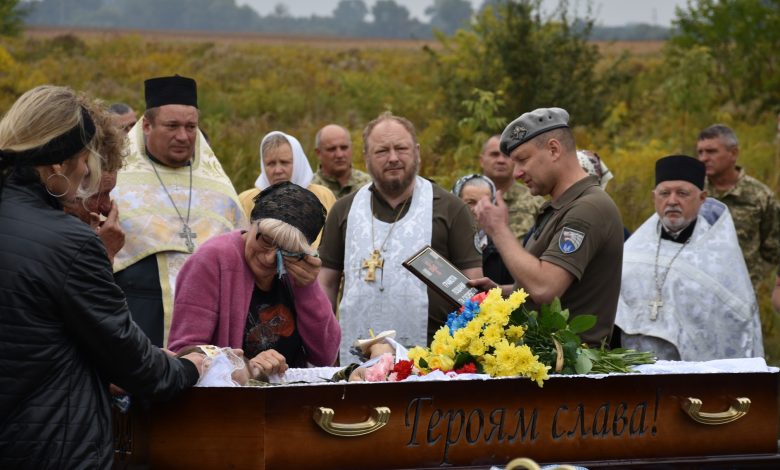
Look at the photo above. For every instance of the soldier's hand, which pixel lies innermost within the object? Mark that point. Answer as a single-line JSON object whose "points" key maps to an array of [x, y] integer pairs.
{"points": [[490, 216]]}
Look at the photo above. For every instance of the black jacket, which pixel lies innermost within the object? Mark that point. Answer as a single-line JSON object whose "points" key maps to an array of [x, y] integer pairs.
{"points": [[65, 333]]}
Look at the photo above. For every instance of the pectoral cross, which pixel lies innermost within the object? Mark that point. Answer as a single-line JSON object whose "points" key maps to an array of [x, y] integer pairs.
{"points": [[655, 306], [372, 264], [188, 235]]}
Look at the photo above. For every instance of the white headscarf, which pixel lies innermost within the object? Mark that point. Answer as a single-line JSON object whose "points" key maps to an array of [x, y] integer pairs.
{"points": [[595, 166], [301, 172]]}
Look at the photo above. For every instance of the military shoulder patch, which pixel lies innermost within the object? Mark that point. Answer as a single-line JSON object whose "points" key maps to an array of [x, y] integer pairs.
{"points": [[570, 240]]}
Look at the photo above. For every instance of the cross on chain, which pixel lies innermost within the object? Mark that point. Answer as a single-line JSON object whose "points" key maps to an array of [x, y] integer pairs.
{"points": [[188, 235], [655, 306], [372, 264]]}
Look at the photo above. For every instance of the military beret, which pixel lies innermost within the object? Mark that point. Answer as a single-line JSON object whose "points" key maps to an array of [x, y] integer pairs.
{"points": [[529, 125]]}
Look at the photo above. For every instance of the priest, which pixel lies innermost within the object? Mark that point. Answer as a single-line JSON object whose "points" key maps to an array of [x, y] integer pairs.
{"points": [[685, 292], [173, 196]]}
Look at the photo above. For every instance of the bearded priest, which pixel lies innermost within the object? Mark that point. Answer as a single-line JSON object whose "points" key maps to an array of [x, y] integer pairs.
{"points": [[686, 292]]}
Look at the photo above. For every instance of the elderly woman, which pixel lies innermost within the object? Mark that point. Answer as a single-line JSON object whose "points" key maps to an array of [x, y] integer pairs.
{"points": [[65, 328], [256, 290], [282, 159], [470, 189]]}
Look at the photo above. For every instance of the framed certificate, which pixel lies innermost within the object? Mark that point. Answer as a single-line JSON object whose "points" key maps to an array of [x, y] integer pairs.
{"points": [[441, 276]]}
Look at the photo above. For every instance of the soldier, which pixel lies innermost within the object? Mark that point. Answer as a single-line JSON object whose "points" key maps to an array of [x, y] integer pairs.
{"points": [[521, 203], [334, 147], [576, 250], [752, 204]]}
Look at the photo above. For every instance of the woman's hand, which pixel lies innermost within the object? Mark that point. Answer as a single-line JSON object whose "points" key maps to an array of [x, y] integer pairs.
{"points": [[304, 271], [109, 231], [267, 363]]}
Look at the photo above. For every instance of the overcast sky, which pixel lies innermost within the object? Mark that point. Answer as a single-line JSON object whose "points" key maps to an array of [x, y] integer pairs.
{"points": [[606, 12]]}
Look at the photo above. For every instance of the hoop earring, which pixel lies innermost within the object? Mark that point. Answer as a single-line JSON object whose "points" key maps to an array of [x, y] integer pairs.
{"points": [[67, 181]]}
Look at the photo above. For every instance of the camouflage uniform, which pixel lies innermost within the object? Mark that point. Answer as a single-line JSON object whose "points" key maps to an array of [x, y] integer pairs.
{"points": [[522, 209], [755, 211], [356, 180]]}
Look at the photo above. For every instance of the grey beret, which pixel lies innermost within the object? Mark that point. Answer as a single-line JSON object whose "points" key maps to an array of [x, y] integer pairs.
{"points": [[529, 125]]}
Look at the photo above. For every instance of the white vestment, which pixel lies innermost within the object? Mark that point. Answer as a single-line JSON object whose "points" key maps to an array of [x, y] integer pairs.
{"points": [[709, 308], [396, 300]]}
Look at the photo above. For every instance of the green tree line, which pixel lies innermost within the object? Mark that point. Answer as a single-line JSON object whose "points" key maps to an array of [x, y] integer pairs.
{"points": [[350, 18]]}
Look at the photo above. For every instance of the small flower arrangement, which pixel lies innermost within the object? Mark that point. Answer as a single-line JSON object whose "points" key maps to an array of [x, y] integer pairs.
{"points": [[500, 337], [484, 337]]}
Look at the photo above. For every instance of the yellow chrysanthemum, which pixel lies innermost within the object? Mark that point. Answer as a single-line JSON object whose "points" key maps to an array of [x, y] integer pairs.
{"points": [[477, 347], [443, 343], [514, 333], [492, 334], [461, 339], [517, 298]]}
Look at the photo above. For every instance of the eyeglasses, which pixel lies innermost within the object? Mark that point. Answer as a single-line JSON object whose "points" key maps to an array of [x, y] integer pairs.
{"points": [[267, 243]]}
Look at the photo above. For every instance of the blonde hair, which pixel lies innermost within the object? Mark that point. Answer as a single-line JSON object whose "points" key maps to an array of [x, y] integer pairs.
{"points": [[284, 235], [48, 111]]}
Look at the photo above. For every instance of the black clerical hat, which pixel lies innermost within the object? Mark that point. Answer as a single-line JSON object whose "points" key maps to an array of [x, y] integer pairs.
{"points": [[680, 168], [170, 90]]}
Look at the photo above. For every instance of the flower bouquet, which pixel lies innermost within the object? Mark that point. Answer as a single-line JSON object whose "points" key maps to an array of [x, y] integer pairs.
{"points": [[500, 337]]}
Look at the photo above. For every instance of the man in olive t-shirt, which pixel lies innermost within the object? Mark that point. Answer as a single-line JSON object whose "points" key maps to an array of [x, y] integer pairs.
{"points": [[575, 252], [369, 233]]}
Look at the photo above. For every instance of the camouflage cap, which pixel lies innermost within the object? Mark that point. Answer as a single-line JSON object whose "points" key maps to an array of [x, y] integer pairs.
{"points": [[529, 125]]}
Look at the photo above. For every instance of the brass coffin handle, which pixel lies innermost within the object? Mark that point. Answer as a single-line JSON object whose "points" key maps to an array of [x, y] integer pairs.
{"points": [[380, 415], [738, 409]]}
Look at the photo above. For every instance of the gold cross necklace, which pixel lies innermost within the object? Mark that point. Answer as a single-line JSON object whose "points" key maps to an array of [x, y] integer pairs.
{"points": [[375, 261]]}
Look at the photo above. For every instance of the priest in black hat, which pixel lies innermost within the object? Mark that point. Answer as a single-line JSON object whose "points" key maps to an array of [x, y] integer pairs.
{"points": [[173, 195], [685, 292]]}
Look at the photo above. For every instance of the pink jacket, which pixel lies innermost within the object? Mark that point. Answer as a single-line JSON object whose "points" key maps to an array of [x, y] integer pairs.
{"points": [[213, 291]]}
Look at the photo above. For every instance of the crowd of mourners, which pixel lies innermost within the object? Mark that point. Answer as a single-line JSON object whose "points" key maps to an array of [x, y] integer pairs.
{"points": [[128, 257]]}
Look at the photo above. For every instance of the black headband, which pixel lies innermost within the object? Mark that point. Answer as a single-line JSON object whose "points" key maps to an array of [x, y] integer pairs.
{"points": [[56, 150]]}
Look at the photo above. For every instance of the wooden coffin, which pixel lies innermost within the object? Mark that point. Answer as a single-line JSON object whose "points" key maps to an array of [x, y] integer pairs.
{"points": [[473, 423]]}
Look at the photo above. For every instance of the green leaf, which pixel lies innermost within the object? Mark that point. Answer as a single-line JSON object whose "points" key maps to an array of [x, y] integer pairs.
{"points": [[463, 358], [583, 365], [423, 363], [582, 323], [566, 337]]}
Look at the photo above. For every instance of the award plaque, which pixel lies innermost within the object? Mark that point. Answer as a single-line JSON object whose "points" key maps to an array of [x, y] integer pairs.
{"points": [[441, 276]]}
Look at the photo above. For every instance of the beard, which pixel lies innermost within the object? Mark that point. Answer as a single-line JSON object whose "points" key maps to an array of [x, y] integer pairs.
{"points": [[675, 224], [393, 187]]}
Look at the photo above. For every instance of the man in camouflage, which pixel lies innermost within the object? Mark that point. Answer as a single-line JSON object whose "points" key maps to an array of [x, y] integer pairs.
{"points": [[334, 147], [521, 203], [751, 203]]}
